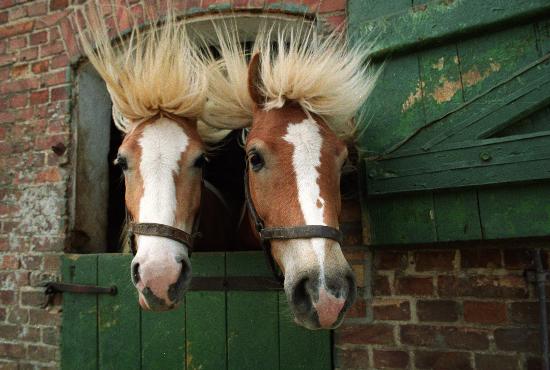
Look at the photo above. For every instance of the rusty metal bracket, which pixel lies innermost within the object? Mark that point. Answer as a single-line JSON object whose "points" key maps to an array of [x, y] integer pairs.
{"points": [[53, 288]]}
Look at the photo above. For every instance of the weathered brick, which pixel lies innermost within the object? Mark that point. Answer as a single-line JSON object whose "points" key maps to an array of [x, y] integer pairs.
{"points": [[353, 358], [37, 8], [420, 335], [525, 312], [9, 332], [358, 309], [440, 310], [18, 315], [442, 360], [480, 258], [16, 29], [39, 38], [9, 262], [517, 259], [59, 93], [39, 67], [11, 365], [484, 312], [365, 334], [32, 298], [50, 336], [494, 362], [7, 297], [421, 286], [390, 359], [390, 260], [41, 353], [28, 54], [40, 316], [391, 309], [39, 97], [466, 338], [12, 351], [58, 4], [381, 286], [17, 43], [510, 286], [434, 260], [517, 339]]}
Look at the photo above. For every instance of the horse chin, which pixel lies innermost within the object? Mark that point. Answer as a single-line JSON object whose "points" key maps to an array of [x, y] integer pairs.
{"points": [[154, 303], [311, 321]]}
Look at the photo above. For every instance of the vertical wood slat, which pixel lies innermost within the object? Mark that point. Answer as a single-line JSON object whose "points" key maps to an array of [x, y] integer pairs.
{"points": [[205, 317], [252, 318], [119, 316], [79, 330], [163, 339], [299, 348]]}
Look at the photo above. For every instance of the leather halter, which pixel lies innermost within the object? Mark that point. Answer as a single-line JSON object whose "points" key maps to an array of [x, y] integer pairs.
{"points": [[267, 234], [166, 231]]}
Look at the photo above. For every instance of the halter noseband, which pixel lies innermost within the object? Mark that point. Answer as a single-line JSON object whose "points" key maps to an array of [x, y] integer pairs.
{"points": [[284, 233]]}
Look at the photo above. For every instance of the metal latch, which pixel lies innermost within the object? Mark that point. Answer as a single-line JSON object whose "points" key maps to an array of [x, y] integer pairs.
{"points": [[53, 288]]}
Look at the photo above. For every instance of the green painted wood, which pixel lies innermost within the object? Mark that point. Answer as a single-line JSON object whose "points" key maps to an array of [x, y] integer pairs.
{"points": [[206, 318], [301, 348], [437, 21], [252, 318], [403, 219], [512, 211], [394, 111], [163, 339], [359, 12], [119, 315], [79, 328], [457, 216]]}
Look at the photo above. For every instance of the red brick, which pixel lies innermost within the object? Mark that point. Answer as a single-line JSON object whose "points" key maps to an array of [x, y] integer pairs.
{"points": [[28, 54], [517, 259], [12, 351], [39, 316], [39, 97], [17, 43], [466, 338], [443, 311], [358, 309], [7, 297], [390, 359], [18, 316], [420, 335], [50, 336], [3, 17], [332, 6], [381, 286], [37, 8], [9, 262], [480, 258], [442, 360], [39, 67], [59, 93], [16, 29], [32, 298], [353, 358], [6, 3], [58, 4], [434, 260], [534, 363], [484, 312], [387, 309], [414, 286], [51, 49], [31, 262], [17, 13], [525, 312], [41, 353], [9, 332], [69, 38], [39, 38], [509, 286], [59, 61], [54, 78], [388, 260], [18, 101], [494, 362], [336, 22], [517, 339], [365, 334]]}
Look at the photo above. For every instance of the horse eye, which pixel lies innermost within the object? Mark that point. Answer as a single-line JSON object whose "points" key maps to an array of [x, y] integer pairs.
{"points": [[256, 161], [201, 161], [121, 162]]}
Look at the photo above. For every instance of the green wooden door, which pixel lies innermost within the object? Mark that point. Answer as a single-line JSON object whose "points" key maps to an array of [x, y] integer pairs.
{"points": [[455, 141], [210, 330]]}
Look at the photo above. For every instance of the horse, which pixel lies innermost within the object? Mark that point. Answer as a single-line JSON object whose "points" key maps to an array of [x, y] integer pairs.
{"points": [[297, 96], [157, 82]]}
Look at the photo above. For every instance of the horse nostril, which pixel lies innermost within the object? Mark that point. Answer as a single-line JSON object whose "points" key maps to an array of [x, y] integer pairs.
{"points": [[176, 290], [300, 295], [135, 273]]}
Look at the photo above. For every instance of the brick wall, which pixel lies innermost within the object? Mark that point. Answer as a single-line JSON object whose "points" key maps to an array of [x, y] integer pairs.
{"points": [[37, 52], [465, 307]]}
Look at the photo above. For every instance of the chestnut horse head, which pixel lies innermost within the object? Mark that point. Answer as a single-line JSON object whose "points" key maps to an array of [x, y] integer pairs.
{"points": [[300, 99], [157, 82]]}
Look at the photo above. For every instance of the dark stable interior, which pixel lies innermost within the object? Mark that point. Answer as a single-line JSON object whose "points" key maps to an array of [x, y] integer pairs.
{"points": [[222, 226]]}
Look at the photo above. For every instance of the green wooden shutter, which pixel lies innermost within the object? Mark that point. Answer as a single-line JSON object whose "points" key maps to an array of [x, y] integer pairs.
{"points": [[211, 330], [455, 140]]}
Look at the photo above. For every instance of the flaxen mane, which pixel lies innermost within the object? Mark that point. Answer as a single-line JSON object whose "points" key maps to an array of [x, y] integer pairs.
{"points": [[324, 74], [149, 71]]}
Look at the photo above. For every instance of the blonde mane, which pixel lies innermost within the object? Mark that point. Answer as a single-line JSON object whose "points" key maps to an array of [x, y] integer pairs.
{"points": [[152, 70], [324, 74]]}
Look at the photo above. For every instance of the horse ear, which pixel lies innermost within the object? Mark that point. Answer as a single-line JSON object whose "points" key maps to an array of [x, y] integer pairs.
{"points": [[254, 83]]}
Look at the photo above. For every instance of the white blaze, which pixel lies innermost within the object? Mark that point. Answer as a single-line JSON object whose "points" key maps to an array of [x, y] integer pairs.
{"points": [[161, 147], [306, 158]]}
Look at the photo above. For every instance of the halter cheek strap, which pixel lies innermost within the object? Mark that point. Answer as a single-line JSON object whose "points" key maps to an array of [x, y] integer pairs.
{"points": [[284, 232]]}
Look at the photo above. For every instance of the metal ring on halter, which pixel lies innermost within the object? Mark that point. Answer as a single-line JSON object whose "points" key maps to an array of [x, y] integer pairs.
{"points": [[284, 233]]}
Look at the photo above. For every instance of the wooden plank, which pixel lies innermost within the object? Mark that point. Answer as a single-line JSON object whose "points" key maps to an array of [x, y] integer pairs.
{"points": [[512, 211], [79, 329], [437, 21], [205, 317], [402, 219], [457, 215], [301, 348], [394, 111], [119, 315], [163, 339], [365, 10], [252, 318]]}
